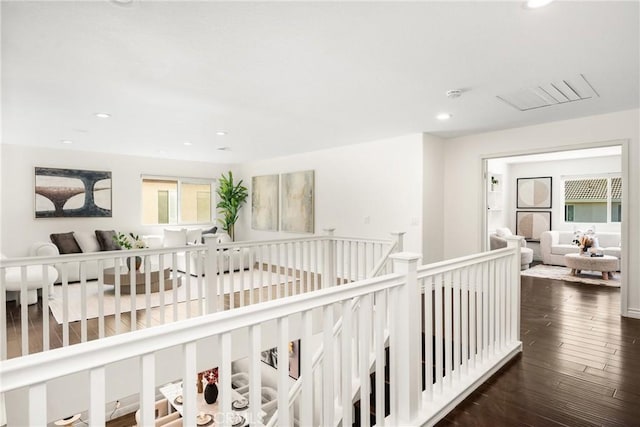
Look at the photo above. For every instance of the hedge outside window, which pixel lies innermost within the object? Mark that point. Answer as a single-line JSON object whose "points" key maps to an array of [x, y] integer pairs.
{"points": [[176, 201]]}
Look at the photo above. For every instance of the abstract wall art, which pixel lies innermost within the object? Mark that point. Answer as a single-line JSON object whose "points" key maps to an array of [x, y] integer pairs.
{"points": [[534, 193], [264, 202], [531, 224], [72, 193], [297, 209]]}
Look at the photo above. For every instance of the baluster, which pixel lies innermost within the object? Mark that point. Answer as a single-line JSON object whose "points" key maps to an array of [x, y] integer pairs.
{"points": [[242, 284], [65, 306], [162, 290], [83, 299], [380, 319], [472, 316], [232, 284], [287, 280], [304, 267], [283, 372], [225, 374], [97, 398], [147, 289], [200, 257], [485, 309], [439, 288], [465, 318], [365, 355], [500, 302], [428, 336], [492, 307], [3, 315], [306, 372], [278, 271], [456, 324], [318, 279], [448, 332], [327, 368], [261, 286], [100, 301], [175, 282], [38, 404], [252, 279], [346, 374], [117, 270], [45, 307], [255, 377], [220, 278], [187, 279], [132, 293]]}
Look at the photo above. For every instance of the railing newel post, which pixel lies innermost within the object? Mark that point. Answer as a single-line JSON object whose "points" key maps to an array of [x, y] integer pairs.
{"points": [[515, 242], [329, 271], [398, 236], [405, 357]]}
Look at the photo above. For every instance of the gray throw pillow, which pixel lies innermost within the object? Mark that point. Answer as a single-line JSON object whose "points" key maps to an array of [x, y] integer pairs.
{"points": [[106, 240], [213, 230], [66, 243]]}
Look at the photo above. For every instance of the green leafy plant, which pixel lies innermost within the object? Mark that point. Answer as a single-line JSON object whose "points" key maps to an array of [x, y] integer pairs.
{"points": [[132, 241], [231, 197]]}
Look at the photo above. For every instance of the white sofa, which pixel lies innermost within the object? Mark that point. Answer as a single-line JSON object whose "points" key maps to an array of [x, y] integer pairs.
{"points": [[554, 245], [185, 237]]}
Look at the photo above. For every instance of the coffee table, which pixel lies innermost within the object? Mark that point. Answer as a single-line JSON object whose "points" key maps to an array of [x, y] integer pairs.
{"points": [[140, 280], [606, 264]]}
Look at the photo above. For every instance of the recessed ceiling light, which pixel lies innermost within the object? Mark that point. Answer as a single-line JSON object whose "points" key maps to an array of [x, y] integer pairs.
{"points": [[443, 116], [534, 4], [221, 133], [103, 115], [187, 143], [66, 141]]}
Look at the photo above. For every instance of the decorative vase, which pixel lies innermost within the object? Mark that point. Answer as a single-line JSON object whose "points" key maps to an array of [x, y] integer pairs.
{"points": [[211, 393], [138, 263]]}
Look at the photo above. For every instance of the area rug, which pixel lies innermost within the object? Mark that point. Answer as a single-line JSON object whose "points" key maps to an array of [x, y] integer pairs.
{"points": [[564, 273], [92, 310]]}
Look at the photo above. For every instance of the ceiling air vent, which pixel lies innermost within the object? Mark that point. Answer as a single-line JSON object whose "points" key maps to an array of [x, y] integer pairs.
{"points": [[573, 89]]}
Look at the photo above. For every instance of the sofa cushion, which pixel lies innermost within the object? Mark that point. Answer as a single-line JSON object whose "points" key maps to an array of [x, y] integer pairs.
{"points": [[194, 236], [174, 238], [66, 243], [87, 241], [564, 249], [503, 232], [107, 241], [613, 251]]}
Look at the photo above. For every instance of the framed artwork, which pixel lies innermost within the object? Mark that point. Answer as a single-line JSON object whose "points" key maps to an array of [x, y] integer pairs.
{"points": [[534, 193], [270, 357], [76, 193], [264, 202], [530, 224], [296, 213]]}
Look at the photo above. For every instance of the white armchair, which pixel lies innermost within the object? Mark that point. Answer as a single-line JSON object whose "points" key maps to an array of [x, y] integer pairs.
{"points": [[498, 240]]}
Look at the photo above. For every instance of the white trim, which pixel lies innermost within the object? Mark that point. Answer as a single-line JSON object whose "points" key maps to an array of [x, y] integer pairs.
{"points": [[624, 162], [633, 313]]}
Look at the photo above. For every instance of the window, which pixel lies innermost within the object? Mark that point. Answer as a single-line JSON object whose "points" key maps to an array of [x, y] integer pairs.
{"points": [[176, 201], [597, 199]]}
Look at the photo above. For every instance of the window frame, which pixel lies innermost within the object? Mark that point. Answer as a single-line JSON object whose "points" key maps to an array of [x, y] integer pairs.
{"points": [[609, 177], [212, 182]]}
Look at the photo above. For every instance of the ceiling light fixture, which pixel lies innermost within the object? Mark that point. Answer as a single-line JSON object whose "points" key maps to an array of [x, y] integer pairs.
{"points": [[454, 93], [187, 143], [443, 116], [221, 133], [534, 4], [66, 141], [102, 115]]}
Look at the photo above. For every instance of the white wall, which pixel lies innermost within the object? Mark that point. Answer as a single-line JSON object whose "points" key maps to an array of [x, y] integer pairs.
{"points": [[433, 199], [363, 190], [19, 227], [463, 176]]}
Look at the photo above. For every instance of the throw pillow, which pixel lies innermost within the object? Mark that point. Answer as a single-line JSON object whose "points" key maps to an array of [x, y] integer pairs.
{"points": [[106, 240], [66, 243], [224, 238], [194, 236], [87, 241], [212, 230], [174, 238], [503, 232]]}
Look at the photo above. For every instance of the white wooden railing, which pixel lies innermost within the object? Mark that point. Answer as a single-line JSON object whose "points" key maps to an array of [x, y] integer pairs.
{"points": [[471, 312], [262, 271]]}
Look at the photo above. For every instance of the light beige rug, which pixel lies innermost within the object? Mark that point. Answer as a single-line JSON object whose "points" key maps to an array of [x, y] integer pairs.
{"points": [[564, 273], [92, 300]]}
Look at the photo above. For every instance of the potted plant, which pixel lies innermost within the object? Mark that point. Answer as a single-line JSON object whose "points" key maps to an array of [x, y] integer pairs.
{"points": [[494, 183], [131, 241], [231, 197]]}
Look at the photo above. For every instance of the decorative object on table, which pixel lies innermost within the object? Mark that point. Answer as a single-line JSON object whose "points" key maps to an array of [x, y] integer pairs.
{"points": [[264, 202], [494, 183], [586, 243], [211, 389], [236, 420], [178, 400], [199, 385], [131, 241], [76, 193], [203, 419], [534, 193], [531, 224], [297, 211], [68, 421], [231, 197]]}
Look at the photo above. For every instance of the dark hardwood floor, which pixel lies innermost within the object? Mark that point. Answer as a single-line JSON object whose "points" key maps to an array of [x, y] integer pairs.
{"points": [[580, 364]]}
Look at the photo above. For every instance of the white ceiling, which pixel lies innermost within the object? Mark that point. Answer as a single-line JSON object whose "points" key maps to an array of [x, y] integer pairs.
{"points": [[286, 77]]}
